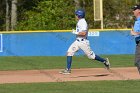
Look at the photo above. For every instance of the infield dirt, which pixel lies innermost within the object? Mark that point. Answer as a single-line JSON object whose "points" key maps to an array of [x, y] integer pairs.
{"points": [[83, 74]]}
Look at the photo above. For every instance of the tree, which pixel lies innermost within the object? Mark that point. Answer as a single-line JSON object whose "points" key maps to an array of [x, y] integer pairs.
{"points": [[7, 16], [77, 4], [117, 13], [2, 14], [59, 14], [49, 14], [13, 14]]}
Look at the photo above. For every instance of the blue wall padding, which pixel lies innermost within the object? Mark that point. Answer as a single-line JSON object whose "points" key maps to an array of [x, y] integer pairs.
{"points": [[57, 43]]}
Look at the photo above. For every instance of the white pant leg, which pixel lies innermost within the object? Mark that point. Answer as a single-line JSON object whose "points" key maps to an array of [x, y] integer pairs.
{"points": [[73, 48], [85, 46]]}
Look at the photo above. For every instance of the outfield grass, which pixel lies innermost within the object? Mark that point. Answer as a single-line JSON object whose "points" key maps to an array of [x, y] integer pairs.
{"points": [[27, 63], [74, 87]]}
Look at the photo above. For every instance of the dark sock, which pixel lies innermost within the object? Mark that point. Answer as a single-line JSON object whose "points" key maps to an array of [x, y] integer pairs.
{"points": [[98, 58], [69, 61]]}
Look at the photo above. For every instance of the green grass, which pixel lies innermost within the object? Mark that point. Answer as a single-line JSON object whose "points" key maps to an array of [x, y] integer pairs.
{"points": [[131, 86], [45, 62], [26, 63]]}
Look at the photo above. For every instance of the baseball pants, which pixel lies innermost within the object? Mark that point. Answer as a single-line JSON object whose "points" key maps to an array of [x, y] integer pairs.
{"points": [[137, 57]]}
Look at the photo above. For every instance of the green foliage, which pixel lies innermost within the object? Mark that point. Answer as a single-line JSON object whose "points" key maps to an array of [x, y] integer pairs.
{"points": [[49, 14], [118, 13], [59, 14]]}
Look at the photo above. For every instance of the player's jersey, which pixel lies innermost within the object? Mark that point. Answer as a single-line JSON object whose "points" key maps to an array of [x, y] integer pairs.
{"points": [[137, 26], [82, 26]]}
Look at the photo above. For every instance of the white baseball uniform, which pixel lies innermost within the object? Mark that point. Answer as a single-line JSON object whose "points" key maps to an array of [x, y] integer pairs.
{"points": [[81, 42]]}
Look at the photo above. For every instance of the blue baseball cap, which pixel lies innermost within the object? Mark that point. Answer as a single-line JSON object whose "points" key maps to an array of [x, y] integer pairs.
{"points": [[80, 13]]}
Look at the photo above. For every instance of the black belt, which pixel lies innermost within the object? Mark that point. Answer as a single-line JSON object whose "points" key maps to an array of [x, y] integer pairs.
{"points": [[137, 40]]}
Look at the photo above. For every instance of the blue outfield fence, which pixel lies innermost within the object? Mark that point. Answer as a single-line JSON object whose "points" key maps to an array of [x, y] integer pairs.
{"points": [[57, 43]]}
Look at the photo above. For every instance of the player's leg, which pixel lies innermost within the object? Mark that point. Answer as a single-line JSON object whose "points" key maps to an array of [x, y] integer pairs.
{"points": [[85, 46], [137, 57], [71, 51]]}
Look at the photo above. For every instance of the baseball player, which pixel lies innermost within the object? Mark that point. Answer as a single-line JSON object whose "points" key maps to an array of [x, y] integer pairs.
{"points": [[82, 42], [136, 33]]}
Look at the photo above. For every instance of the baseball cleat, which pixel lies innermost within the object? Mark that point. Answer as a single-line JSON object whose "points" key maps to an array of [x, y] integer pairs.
{"points": [[107, 64], [66, 72]]}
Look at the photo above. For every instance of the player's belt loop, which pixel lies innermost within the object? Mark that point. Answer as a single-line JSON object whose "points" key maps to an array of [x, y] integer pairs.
{"points": [[80, 39]]}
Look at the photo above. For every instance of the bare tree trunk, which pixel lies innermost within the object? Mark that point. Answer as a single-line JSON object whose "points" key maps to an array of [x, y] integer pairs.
{"points": [[77, 2], [84, 4], [7, 16], [13, 14]]}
